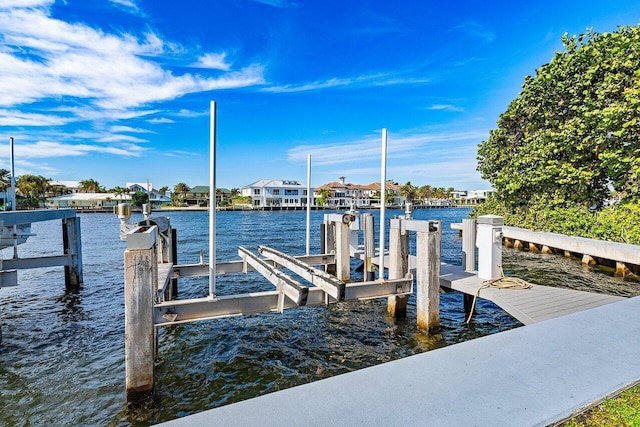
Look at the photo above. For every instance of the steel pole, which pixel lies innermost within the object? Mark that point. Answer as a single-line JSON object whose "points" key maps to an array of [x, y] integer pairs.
{"points": [[383, 202], [212, 201], [309, 199]]}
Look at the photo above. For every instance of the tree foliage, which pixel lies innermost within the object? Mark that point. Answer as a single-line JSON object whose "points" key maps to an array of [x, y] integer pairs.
{"points": [[139, 198], [573, 133], [33, 188]]}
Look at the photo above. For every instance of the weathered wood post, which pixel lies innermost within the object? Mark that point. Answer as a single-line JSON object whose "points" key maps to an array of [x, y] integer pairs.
{"points": [[140, 288], [329, 242], [398, 266], [428, 277], [468, 256], [72, 243], [174, 259], [369, 245], [343, 257]]}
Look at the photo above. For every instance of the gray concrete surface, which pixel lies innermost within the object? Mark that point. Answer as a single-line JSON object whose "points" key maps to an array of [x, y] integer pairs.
{"points": [[530, 376]]}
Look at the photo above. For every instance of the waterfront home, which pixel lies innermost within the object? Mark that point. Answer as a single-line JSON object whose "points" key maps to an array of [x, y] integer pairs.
{"points": [[342, 194], [90, 201], [276, 193], [199, 196], [471, 197]]}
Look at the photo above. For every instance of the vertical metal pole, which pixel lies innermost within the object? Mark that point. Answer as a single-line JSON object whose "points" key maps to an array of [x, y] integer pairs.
{"points": [[343, 258], [13, 180], [383, 202], [309, 198], [212, 202], [174, 260]]}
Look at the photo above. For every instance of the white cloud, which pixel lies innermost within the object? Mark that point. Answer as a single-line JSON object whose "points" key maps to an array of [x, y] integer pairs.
{"points": [[360, 81], [214, 61], [48, 149], [445, 107], [476, 30], [71, 62], [161, 120], [17, 118], [6, 4], [116, 129], [369, 148]]}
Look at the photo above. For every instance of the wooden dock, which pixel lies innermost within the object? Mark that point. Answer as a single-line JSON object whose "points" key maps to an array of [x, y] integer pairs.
{"points": [[529, 306]]}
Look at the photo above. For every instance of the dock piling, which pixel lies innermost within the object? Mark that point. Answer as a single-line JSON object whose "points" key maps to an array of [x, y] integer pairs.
{"points": [[428, 277], [369, 245], [398, 267], [73, 248], [141, 278]]}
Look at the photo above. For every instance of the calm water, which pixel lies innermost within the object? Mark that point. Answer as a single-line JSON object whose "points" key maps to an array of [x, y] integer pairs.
{"points": [[62, 356]]}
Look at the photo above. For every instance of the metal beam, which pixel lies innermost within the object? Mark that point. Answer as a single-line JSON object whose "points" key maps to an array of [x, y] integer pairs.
{"points": [[291, 288], [24, 217], [183, 311], [333, 286], [227, 267], [48, 261]]}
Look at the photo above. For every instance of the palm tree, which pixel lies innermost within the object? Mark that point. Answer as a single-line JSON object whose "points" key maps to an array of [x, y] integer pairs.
{"points": [[324, 193], [5, 179], [163, 189], [89, 186], [409, 192], [119, 191], [182, 189], [34, 188]]}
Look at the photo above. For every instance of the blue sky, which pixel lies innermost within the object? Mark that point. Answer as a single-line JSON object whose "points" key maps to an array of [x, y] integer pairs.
{"points": [[119, 90]]}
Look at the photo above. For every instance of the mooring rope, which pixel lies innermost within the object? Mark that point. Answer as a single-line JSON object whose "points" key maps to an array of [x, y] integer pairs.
{"points": [[504, 282]]}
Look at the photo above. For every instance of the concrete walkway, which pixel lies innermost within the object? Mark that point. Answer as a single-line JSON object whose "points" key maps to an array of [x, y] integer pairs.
{"points": [[531, 376]]}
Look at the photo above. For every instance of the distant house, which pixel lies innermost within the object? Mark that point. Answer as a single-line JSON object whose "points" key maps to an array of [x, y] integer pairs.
{"points": [[471, 197], [343, 194], [197, 196], [155, 196], [75, 199], [68, 187], [86, 200], [276, 193]]}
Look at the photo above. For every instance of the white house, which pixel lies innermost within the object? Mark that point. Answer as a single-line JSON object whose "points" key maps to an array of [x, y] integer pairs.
{"points": [[155, 196], [276, 193], [343, 194]]}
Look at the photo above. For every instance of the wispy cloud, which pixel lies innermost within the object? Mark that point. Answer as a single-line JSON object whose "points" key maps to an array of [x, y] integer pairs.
{"points": [[445, 107], [278, 3], [476, 30], [129, 129], [360, 81], [161, 120], [215, 61], [369, 148], [17, 118], [72, 62], [48, 149]]}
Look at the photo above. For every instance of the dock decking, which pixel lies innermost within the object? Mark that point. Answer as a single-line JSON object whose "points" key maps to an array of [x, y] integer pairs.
{"points": [[528, 305], [532, 376]]}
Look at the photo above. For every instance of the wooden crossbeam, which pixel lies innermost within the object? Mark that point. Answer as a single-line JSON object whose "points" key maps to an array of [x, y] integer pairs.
{"points": [[292, 289], [333, 286]]}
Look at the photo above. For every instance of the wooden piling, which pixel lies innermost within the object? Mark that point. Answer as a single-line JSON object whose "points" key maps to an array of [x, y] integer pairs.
{"points": [[369, 245], [173, 287], [428, 278], [330, 244], [588, 260], [141, 277], [517, 244], [546, 250], [622, 269], [343, 256], [72, 243], [469, 244], [533, 248], [398, 267]]}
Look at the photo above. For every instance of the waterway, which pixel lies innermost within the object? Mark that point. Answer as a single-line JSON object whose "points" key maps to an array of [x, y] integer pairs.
{"points": [[62, 355]]}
